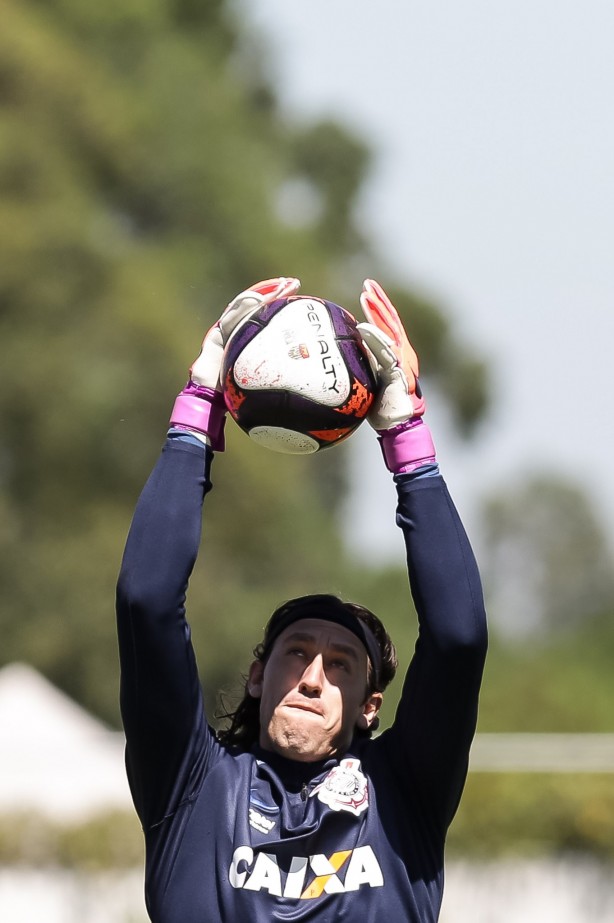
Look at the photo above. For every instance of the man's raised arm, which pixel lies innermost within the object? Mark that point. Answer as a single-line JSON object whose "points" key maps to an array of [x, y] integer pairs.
{"points": [[161, 702], [428, 745]]}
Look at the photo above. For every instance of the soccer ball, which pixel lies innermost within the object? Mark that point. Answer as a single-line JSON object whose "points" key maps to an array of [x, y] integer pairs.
{"points": [[296, 375]]}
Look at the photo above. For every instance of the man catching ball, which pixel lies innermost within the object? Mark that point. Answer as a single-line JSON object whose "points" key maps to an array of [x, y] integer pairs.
{"points": [[295, 812]]}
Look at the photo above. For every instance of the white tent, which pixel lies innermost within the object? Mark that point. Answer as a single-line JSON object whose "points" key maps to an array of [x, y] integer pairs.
{"points": [[55, 758]]}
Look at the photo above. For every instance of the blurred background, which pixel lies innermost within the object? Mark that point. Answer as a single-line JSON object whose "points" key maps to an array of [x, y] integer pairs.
{"points": [[157, 158]]}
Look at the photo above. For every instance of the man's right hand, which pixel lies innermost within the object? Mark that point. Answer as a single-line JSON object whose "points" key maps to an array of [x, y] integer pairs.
{"points": [[205, 370], [200, 408]]}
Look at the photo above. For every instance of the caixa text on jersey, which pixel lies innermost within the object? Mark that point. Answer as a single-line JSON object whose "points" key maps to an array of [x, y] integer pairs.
{"points": [[307, 877]]}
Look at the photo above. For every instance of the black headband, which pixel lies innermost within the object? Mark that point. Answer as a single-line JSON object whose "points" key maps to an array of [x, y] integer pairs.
{"points": [[328, 612]]}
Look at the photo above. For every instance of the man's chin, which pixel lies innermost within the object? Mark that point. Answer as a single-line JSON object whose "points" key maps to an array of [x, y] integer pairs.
{"points": [[296, 742]]}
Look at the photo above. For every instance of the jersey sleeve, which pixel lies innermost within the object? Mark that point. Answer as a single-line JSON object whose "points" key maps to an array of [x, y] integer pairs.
{"points": [[431, 736], [167, 736]]}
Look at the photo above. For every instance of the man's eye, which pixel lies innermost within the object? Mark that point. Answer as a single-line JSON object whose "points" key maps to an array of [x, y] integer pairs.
{"points": [[339, 664]]}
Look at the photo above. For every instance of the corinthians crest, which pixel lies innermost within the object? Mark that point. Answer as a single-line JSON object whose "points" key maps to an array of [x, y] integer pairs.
{"points": [[345, 788]]}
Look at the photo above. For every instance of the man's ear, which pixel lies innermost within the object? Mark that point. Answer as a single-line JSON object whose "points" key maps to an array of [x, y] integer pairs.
{"points": [[370, 708], [254, 679]]}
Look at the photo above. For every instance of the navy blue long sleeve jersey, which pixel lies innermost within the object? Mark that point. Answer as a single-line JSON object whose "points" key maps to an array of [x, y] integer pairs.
{"points": [[251, 837]]}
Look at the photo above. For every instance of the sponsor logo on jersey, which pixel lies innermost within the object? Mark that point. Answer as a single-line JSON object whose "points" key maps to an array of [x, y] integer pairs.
{"points": [[259, 822], [345, 788], [308, 877]]}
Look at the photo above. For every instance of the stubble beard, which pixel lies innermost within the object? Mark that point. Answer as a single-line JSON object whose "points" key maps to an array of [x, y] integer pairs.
{"points": [[297, 740]]}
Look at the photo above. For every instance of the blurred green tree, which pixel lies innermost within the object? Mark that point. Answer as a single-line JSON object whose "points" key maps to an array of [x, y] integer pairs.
{"points": [[146, 176], [546, 563], [563, 684]]}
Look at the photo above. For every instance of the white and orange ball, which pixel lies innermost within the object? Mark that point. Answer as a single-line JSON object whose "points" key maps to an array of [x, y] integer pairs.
{"points": [[296, 375]]}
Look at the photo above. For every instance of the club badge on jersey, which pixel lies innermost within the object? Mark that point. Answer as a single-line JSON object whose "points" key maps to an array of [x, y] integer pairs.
{"points": [[345, 788]]}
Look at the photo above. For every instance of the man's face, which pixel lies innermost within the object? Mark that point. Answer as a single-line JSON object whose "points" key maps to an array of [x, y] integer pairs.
{"points": [[313, 691]]}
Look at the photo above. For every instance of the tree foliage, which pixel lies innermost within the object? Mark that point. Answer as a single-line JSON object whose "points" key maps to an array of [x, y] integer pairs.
{"points": [[547, 563], [547, 568], [534, 814], [143, 162], [561, 683]]}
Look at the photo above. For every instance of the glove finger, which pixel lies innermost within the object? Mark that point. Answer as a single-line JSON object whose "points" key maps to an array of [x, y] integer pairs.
{"points": [[281, 287], [241, 307], [379, 345], [381, 348], [381, 312], [205, 369]]}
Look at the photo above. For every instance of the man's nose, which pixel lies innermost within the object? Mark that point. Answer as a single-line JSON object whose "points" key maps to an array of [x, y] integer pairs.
{"points": [[312, 679]]}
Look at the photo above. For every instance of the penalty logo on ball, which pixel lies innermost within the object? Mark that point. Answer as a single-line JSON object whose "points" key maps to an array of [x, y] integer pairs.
{"points": [[297, 376]]}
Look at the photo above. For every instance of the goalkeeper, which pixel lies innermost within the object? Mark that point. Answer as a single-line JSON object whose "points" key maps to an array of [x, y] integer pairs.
{"points": [[295, 812]]}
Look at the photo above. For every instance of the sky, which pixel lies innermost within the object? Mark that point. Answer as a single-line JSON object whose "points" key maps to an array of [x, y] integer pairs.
{"points": [[492, 192]]}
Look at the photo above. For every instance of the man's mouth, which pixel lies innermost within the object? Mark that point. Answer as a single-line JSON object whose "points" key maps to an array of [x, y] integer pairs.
{"points": [[304, 706]]}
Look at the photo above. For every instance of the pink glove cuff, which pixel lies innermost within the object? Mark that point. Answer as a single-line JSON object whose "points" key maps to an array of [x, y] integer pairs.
{"points": [[407, 446], [203, 410]]}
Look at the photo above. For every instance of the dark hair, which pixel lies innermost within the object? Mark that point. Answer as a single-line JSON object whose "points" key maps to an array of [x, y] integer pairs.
{"points": [[243, 729]]}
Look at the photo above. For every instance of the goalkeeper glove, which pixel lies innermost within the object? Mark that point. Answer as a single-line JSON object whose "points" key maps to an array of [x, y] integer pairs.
{"points": [[396, 413], [200, 406]]}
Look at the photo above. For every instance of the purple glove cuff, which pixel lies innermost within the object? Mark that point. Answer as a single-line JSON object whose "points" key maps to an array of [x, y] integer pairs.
{"points": [[201, 409], [407, 446]]}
